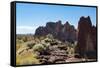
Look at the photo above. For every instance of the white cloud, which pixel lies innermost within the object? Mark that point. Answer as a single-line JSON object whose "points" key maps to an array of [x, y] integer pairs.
{"points": [[25, 29]]}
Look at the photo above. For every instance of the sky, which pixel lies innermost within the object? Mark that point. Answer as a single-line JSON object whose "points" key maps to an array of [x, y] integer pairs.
{"points": [[31, 16]]}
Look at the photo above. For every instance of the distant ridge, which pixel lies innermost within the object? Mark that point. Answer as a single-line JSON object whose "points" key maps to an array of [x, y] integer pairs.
{"points": [[63, 32]]}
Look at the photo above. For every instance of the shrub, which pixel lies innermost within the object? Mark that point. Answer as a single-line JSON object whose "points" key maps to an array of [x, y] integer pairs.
{"points": [[19, 41], [30, 45], [38, 47], [71, 51], [50, 36], [25, 39]]}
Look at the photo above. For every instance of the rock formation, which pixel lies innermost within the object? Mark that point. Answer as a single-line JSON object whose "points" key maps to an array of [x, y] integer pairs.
{"points": [[86, 38], [63, 32]]}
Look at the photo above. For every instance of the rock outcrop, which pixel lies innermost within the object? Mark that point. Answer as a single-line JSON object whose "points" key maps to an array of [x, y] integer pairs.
{"points": [[86, 38], [63, 32]]}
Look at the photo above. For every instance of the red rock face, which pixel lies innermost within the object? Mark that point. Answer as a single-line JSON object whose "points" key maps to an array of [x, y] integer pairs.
{"points": [[86, 38], [58, 26], [62, 32]]}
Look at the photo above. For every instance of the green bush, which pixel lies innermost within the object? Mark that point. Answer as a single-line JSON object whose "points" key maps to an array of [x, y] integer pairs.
{"points": [[38, 47]]}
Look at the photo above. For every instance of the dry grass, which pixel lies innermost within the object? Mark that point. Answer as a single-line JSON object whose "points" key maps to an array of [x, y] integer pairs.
{"points": [[27, 57]]}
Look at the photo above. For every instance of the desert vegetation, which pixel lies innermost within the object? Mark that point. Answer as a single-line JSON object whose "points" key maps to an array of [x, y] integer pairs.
{"points": [[42, 50]]}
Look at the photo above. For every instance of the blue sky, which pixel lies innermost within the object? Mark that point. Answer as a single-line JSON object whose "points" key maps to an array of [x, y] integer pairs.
{"points": [[31, 16]]}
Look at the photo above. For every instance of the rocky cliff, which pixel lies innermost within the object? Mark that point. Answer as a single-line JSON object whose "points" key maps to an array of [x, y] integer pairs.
{"points": [[63, 32], [86, 38]]}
